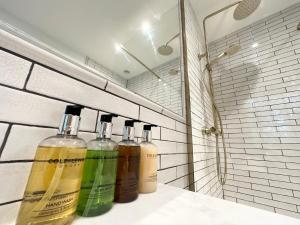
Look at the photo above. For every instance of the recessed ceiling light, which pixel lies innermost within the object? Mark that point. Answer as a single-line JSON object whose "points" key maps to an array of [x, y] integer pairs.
{"points": [[146, 27], [255, 45]]}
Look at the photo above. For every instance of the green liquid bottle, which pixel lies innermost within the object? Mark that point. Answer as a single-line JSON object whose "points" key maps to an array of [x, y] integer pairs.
{"points": [[99, 173]]}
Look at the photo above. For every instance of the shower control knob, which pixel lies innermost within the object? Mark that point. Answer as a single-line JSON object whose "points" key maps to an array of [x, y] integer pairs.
{"points": [[209, 131]]}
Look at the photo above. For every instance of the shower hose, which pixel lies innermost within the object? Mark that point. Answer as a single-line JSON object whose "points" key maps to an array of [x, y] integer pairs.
{"points": [[216, 113]]}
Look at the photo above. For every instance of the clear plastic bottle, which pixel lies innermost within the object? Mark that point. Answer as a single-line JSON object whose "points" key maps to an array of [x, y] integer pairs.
{"points": [[127, 183], [53, 186], [99, 176], [148, 165]]}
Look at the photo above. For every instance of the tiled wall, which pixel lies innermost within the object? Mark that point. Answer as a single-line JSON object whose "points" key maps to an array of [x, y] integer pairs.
{"points": [[201, 112], [166, 92], [35, 86], [258, 93]]}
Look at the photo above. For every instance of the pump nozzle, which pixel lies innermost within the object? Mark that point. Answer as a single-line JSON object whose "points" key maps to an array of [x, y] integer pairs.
{"points": [[70, 122], [148, 127], [130, 123], [74, 110], [108, 117]]}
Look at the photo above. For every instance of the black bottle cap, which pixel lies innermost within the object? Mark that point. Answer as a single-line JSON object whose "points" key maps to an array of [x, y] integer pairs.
{"points": [[108, 117], [74, 110], [148, 127], [130, 123]]}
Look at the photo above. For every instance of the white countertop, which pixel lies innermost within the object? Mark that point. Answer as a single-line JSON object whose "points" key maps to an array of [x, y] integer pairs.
{"points": [[174, 206]]}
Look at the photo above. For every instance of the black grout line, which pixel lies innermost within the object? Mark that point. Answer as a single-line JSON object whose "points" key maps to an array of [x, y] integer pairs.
{"points": [[5, 139], [10, 202], [17, 161], [28, 76]]}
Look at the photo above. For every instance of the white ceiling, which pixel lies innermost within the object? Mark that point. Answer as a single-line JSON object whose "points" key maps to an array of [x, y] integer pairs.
{"points": [[223, 23], [92, 28]]}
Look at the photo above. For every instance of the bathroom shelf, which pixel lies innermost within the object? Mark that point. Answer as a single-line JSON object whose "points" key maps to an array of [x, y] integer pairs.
{"points": [[174, 206]]}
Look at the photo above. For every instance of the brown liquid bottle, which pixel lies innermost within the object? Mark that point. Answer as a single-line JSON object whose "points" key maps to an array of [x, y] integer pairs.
{"points": [[127, 182]]}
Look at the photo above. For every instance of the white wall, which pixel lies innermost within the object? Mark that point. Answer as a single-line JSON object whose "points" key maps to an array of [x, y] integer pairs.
{"points": [[166, 92]]}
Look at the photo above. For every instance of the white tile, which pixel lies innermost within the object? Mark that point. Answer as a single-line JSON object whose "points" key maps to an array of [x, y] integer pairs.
{"points": [[167, 175], [277, 204], [181, 127], [3, 129], [22, 107], [13, 70], [182, 170], [23, 141], [180, 183], [172, 135], [169, 160], [13, 177], [272, 189], [165, 147], [125, 93], [9, 213], [282, 198], [150, 116], [50, 83]]}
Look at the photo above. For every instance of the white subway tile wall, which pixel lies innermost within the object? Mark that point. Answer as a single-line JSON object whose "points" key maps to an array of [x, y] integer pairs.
{"points": [[257, 91], [166, 92], [205, 177], [33, 96]]}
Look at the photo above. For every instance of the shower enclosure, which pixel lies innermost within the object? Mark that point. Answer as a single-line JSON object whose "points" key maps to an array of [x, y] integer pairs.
{"points": [[253, 77]]}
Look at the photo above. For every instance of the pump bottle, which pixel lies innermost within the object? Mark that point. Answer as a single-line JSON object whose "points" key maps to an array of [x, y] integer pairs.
{"points": [[99, 176], [148, 164], [128, 165], [53, 186]]}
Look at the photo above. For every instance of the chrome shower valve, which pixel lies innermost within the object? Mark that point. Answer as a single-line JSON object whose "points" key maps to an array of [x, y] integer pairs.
{"points": [[209, 131]]}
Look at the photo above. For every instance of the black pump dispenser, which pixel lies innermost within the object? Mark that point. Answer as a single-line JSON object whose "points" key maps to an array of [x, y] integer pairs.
{"points": [[70, 122], [147, 133], [74, 110], [130, 123], [108, 117], [128, 132], [148, 127], [106, 126]]}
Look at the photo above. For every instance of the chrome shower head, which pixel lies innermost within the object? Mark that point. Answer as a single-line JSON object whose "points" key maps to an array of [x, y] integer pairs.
{"points": [[165, 50], [233, 49], [245, 8]]}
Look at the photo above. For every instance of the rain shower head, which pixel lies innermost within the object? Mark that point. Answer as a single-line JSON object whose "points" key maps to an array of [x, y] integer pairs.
{"points": [[165, 50], [245, 8]]}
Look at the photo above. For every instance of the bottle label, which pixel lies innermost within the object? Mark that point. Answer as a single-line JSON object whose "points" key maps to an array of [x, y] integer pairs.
{"points": [[53, 186]]}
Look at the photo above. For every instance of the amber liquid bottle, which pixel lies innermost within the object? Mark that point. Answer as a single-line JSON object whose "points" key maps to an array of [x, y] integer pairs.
{"points": [[127, 182], [53, 186]]}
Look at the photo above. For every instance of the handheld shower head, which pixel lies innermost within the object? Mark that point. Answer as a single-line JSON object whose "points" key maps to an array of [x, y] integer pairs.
{"points": [[245, 8], [233, 49]]}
